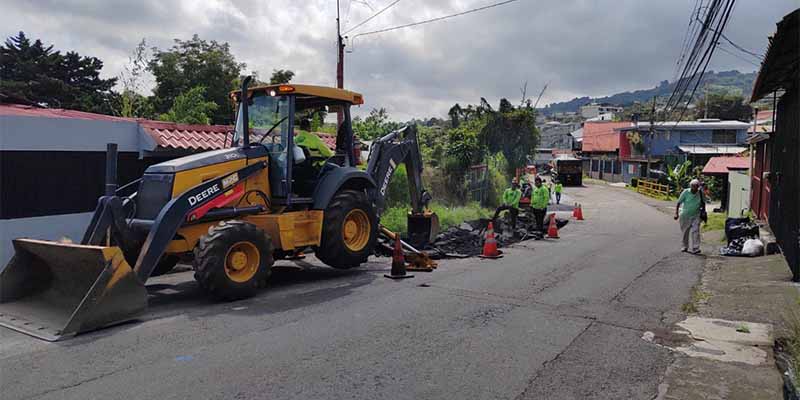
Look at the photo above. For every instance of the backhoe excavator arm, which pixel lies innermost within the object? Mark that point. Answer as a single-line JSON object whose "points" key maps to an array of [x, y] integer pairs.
{"points": [[386, 153]]}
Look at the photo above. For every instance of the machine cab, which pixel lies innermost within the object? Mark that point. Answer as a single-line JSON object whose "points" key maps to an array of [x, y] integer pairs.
{"points": [[283, 119]]}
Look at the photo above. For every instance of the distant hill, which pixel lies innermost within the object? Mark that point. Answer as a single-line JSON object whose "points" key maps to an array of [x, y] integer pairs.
{"points": [[726, 80]]}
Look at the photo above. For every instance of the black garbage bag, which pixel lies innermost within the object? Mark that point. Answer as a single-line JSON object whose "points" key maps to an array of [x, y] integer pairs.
{"points": [[734, 247], [736, 228]]}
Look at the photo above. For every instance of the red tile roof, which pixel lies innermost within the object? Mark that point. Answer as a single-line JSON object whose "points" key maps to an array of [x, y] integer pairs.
{"points": [[721, 165], [185, 136], [600, 135]]}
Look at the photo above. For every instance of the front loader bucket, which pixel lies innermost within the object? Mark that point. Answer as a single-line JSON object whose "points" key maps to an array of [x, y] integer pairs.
{"points": [[53, 290]]}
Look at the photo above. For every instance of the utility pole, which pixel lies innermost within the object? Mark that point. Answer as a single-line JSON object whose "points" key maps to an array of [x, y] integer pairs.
{"points": [[706, 100], [339, 62], [652, 131]]}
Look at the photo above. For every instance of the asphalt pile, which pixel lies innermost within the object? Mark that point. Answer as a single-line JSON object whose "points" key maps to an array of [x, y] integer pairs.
{"points": [[466, 240]]}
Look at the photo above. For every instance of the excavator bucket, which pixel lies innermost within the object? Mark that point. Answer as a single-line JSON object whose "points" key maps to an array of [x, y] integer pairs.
{"points": [[53, 290], [422, 228]]}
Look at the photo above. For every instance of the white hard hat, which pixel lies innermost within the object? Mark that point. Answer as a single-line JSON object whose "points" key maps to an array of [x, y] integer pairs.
{"points": [[694, 182]]}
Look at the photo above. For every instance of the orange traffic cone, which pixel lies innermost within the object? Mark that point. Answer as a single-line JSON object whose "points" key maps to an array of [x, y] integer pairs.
{"points": [[398, 262], [552, 230], [575, 211], [489, 244], [579, 213]]}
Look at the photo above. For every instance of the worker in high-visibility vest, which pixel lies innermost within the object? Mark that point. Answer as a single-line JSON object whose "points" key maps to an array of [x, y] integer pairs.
{"points": [[539, 200], [558, 188], [316, 148], [511, 198]]}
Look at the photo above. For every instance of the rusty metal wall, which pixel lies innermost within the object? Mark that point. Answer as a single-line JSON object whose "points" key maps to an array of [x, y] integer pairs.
{"points": [[784, 212]]}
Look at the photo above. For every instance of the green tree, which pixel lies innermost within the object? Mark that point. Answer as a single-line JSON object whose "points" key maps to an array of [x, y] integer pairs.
{"points": [[375, 125], [35, 73], [456, 114], [191, 63], [725, 106], [512, 132], [190, 108], [280, 76]]}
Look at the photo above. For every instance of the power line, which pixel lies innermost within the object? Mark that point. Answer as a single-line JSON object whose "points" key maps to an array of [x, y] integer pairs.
{"points": [[691, 29], [366, 3], [742, 49], [692, 64], [737, 55], [718, 14], [427, 21], [371, 17]]}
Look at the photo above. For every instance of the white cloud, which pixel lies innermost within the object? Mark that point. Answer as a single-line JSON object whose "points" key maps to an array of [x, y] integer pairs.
{"points": [[582, 48]]}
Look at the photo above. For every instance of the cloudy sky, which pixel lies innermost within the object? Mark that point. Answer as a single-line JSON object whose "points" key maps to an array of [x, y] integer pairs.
{"points": [[589, 48]]}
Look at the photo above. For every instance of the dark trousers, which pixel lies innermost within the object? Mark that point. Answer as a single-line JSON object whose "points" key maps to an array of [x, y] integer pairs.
{"points": [[558, 198], [513, 211], [538, 215]]}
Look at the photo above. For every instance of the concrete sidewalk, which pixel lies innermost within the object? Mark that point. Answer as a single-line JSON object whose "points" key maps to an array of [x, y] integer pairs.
{"points": [[743, 302]]}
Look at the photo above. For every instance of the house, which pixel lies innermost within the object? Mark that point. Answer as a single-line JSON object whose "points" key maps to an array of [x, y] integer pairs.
{"points": [[776, 163], [52, 164], [604, 147], [556, 135], [593, 110], [672, 143]]}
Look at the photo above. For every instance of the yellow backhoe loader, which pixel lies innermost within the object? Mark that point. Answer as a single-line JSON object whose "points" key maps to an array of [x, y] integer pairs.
{"points": [[229, 212]]}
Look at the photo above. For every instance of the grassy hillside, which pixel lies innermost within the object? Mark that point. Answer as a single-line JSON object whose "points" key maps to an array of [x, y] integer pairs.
{"points": [[732, 81]]}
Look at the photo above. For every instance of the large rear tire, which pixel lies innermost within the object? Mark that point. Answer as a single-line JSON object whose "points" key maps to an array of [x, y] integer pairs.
{"points": [[233, 260], [349, 230]]}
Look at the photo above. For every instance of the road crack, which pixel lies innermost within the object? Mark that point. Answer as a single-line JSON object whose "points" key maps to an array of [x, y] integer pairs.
{"points": [[76, 384]]}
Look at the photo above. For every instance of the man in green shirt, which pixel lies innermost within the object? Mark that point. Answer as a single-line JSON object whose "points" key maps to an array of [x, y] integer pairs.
{"points": [[511, 198], [540, 197], [689, 216], [558, 189]]}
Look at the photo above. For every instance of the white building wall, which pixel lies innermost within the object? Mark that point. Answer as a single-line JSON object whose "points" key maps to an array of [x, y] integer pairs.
{"points": [[51, 227]]}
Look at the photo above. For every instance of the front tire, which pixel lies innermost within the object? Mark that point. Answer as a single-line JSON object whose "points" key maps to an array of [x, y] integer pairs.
{"points": [[349, 230], [233, 260]]}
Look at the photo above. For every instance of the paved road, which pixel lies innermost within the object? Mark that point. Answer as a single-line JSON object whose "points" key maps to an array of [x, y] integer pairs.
{"points": [[553, 319]]}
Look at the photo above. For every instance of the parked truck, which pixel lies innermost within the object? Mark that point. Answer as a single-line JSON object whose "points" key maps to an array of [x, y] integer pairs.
{"points": [[569, 171]]}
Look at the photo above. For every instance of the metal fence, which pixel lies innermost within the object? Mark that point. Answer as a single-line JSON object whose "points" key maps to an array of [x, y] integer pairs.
{"points": [[652, 189]]}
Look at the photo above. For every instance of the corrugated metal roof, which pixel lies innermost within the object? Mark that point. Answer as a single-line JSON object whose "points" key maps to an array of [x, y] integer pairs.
{"points": [[757, 137], [781, 66], [712, 149], [721, 165]]}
